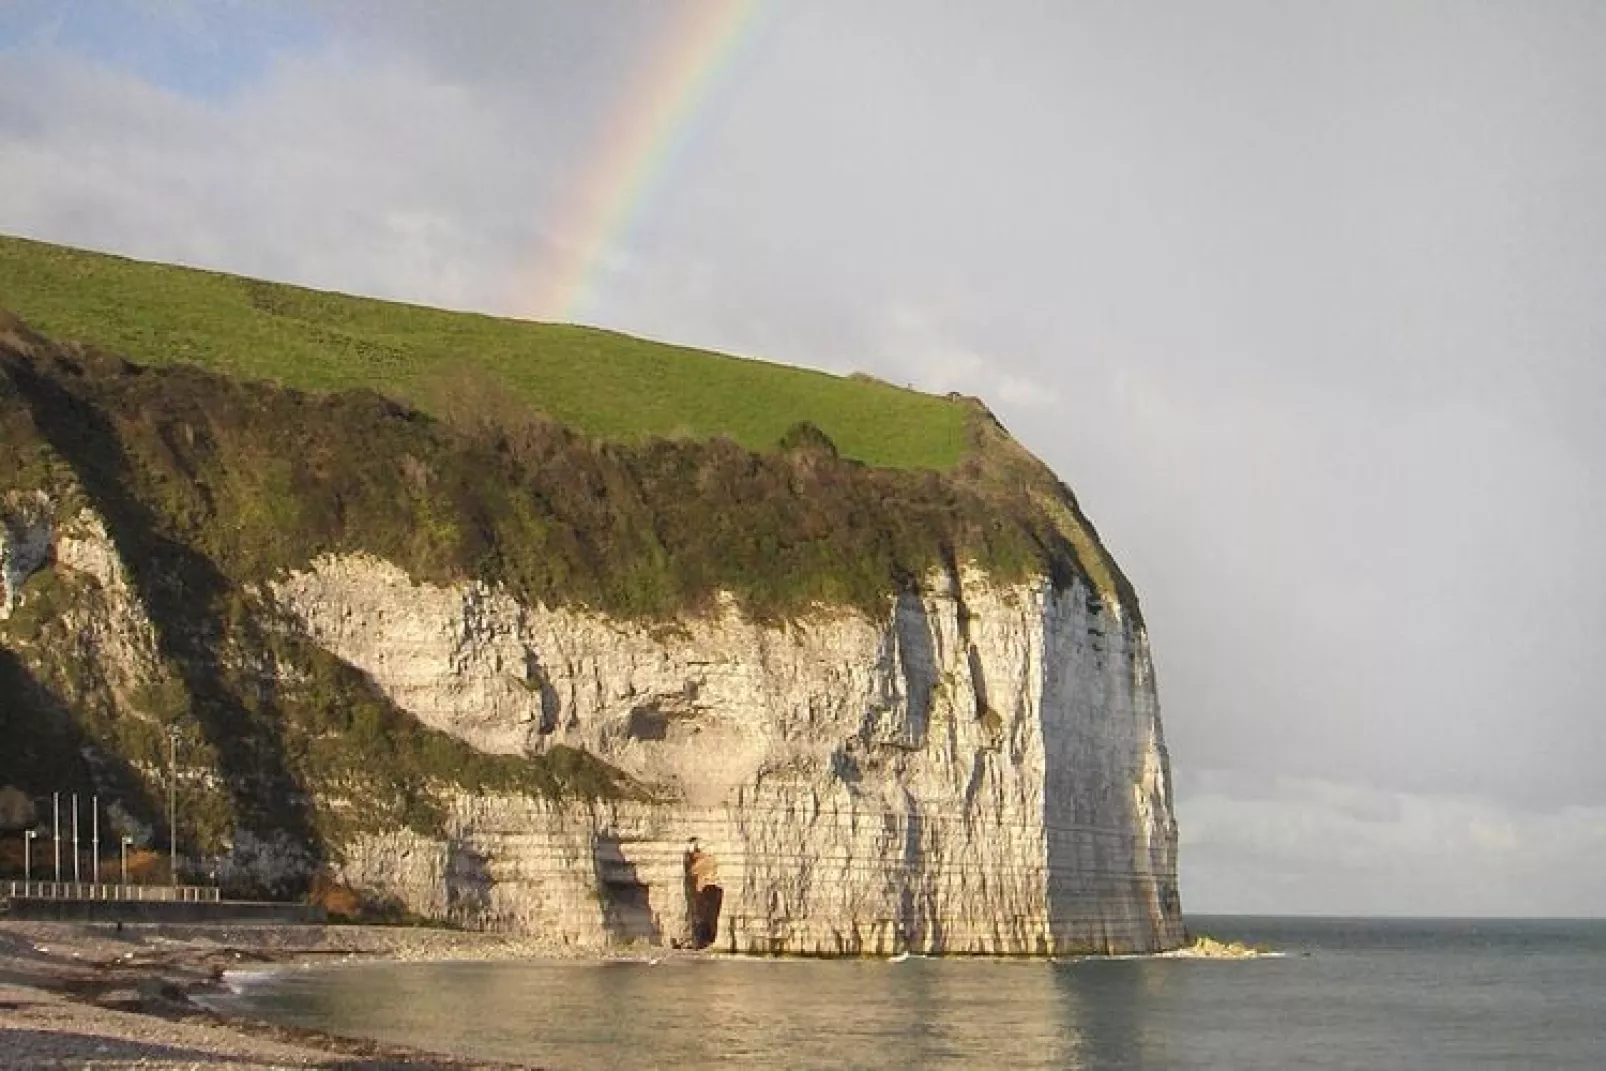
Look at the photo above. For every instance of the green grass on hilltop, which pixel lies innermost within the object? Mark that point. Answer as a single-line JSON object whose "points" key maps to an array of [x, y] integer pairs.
{"points": [[601, 383]]}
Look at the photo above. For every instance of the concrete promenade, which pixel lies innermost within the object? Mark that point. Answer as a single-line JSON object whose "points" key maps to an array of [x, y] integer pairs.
{"points": [[53, 901]]}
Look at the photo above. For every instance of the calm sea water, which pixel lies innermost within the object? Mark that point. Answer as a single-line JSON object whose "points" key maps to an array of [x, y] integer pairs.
{"points": [[1349, 993]]}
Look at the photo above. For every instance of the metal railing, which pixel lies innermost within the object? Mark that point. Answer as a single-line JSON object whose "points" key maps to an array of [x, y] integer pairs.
{"points": [[85, 890]]}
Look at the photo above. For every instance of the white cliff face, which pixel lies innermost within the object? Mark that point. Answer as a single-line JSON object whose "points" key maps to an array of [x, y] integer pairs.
{"points": [[122, 630], [110, 630], [25, 541], [981, 772]]}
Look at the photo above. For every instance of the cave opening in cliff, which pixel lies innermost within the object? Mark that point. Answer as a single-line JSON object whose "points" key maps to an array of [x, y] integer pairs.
{"points": [[704, 896]]}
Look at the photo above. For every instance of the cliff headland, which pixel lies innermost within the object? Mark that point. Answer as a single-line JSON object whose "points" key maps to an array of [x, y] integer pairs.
{"points": [[543, 629]]}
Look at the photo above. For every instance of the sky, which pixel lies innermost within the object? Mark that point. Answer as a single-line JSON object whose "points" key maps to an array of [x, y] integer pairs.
{"points": [[1307, 301]]}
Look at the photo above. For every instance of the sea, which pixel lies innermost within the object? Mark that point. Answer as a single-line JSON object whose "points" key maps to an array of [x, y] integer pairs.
{"points": [[1339, 993]]}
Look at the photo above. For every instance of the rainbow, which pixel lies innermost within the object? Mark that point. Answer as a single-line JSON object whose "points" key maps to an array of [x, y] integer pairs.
{"points": [[636, 149]]}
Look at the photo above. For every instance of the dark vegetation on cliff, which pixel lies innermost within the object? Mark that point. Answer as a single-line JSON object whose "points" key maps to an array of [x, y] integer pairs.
{"points": [[211, 485], [640, 450], [271, 713], [251, 480]]}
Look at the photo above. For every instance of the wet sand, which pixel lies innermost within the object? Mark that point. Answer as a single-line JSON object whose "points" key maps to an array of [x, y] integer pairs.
{"points": [[91, 995]]}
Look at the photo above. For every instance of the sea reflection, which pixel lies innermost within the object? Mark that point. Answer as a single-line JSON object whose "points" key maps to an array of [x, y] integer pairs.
{"points": [[779, 1013], [1428, 995], [1113, 1005]]}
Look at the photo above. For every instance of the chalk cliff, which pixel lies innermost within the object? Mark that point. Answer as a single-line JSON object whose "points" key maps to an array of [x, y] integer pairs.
{"points": [[973, 764], [981, 771]]}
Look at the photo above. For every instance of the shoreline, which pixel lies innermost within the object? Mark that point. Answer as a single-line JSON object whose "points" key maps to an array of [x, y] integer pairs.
{"points": [[75, 992]]}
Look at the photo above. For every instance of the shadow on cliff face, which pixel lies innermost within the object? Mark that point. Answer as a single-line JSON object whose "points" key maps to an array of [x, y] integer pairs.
{"points": [[917, 652], [918, 925], [1086, 882], [468, 883], [625, 900], [47, 751], [195, 611], [1107, 891]]}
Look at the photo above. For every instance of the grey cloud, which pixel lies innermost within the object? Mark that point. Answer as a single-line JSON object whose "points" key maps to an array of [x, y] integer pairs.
{"points": [[313, 175], [1337, 848], [1315, 296]]}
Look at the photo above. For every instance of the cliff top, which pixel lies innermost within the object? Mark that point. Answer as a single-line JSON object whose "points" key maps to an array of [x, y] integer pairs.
{"points": [[601, 383], [659, 474]]}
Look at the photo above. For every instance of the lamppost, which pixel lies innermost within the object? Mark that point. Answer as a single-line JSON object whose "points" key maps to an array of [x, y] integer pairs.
{"points": [[127, 840], [172, 805], [27, 854]]}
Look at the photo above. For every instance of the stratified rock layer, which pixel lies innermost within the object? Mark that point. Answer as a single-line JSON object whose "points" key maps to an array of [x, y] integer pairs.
{"points": [[981, 772]]}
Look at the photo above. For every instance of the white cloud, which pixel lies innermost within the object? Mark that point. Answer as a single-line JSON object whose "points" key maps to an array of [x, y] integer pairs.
{"points": [[917, 348], [383, 182], [1324, 847]]}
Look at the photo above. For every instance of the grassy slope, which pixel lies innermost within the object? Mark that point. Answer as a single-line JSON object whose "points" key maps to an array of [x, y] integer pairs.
{"points": [[599, 382]]}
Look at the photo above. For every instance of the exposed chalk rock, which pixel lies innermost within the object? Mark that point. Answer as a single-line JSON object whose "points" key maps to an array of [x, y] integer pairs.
{"points": [[26, 536], [982, 771]]}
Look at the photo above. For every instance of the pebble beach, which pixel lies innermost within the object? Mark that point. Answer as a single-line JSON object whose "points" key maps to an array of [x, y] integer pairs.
{"points": [[91, 995]]}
